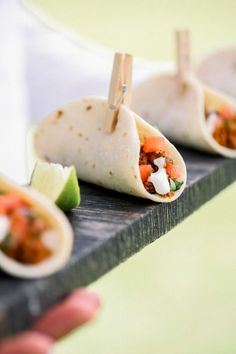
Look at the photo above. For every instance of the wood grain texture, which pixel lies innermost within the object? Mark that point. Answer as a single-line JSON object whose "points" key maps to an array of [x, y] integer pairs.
{"points": [[110, 227]]}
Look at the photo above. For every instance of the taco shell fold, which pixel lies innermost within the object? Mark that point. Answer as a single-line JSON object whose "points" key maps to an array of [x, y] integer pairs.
{"points": [[218, 70], [75, 134], [179, 111], [55, 219]]}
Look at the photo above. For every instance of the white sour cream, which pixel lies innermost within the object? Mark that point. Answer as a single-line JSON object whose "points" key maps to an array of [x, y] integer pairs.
{"points": [[160, 162], [211, 122], [160, 179], [4, 227]]}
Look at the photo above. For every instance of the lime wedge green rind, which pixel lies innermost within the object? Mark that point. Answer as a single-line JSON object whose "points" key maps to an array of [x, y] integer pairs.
{"points": [[57, 183], [70, 195]]}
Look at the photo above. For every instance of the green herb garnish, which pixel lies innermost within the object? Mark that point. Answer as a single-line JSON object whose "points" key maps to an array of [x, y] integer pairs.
{"points": [[175, 185]]}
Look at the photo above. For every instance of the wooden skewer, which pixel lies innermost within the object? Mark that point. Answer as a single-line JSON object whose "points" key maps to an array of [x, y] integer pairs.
{"points": [[115, 91], [120, 88], [183, 54], [127, 78]]}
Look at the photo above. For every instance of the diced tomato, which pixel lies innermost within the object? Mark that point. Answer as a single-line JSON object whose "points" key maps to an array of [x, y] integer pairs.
{"points": [[9, 202], [219, 123], [26, 229], [226, 112], [145, 171], [154, 144], [20, 225], [172, 171]]}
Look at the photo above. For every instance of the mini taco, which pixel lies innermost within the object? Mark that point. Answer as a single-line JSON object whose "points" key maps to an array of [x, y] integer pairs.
{"points": [[218, 70], [191, 114], [35, 237], [135, 158]]}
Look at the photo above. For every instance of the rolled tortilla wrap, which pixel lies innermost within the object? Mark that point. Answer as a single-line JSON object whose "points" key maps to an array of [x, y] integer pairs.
{"points": [[179, 111], [75, 134], [57, 222], [218, 70]]}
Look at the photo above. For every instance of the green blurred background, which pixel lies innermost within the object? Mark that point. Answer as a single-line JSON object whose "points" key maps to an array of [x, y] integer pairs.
{"points": [[177, 296]]}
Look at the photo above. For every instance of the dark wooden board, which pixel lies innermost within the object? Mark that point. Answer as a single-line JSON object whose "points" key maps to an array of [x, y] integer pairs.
{"points": [[110, 227]]}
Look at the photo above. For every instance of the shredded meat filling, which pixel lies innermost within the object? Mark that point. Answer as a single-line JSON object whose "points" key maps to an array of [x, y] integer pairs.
{"points": [[23, 238], [148, 158], [225, 128], [166, 181], [149, 187], [225, 134], [143, 159]]}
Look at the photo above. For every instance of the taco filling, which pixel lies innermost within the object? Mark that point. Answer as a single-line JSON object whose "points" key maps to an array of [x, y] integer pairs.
{"points": [[222, 125], [159, 173], [24, 235]]}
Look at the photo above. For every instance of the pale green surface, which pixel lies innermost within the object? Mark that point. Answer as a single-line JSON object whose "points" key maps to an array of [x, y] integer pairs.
{"points": [[178, 295], [144, 27]]}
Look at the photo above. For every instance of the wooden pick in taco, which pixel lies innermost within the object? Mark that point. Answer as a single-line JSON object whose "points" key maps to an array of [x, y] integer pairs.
{"points": [[35, 237], [187, 111], [218, 70], [110, 145]]}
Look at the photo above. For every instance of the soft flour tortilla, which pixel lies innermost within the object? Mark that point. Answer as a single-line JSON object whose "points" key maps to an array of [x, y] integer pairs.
{"points": [[218, 70], [179, 111], [55, 219], [75, 134]]}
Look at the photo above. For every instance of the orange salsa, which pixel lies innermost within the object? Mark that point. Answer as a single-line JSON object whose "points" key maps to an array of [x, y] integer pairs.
{"points": [[22, 230]]}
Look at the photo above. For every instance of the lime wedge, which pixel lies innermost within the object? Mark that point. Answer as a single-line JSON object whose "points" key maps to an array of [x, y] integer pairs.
{"points": [[58, 183]]}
